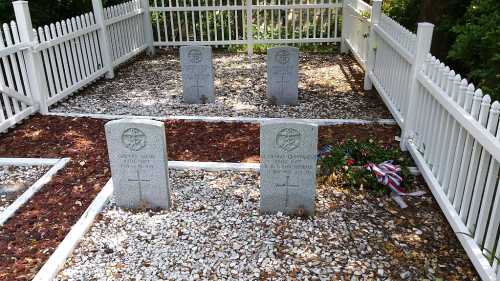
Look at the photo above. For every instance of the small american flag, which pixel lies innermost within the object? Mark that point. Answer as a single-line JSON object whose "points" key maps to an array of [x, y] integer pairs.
{"points": [[389, 175]]}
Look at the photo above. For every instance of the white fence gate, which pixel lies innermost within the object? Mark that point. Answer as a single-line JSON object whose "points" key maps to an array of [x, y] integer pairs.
{"points": [[245, 22]]}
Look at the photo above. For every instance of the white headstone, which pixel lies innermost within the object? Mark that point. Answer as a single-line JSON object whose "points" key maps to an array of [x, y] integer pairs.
{"points": [[197, 74], [283, 75], [288, 154], [138, 156]]}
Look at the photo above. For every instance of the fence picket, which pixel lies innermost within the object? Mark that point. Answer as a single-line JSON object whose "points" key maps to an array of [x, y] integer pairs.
{"points": [[127, 29], [438, 121], [9, 70], [17, 83], [3, 83], [494, 223], [64, 56], [76, 50], [52, 60], [486, 181], [448, 127], [449, 186], [84, 48], [467, 152], [90, 42], [467, 97], [95, 38], [57, 52], [471, 174], [79, 47], [25, 86]]}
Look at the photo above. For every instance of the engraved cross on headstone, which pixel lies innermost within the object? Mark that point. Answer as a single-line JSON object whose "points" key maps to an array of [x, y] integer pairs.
{"points": [[287, 186], [139, 183], [197, 85], [283, 82]]}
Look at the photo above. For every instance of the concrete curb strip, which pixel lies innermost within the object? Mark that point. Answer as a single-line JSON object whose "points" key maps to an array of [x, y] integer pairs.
{"points": [[232, 119], [21, 200], [56, 261]]}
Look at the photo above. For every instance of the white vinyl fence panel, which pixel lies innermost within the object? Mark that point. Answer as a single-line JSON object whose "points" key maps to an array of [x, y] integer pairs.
{"points": [[71, 55], [125, 27], [392, 65], [450, 129], [455, 138], [230, 22], [356, 29], [16, 102]]}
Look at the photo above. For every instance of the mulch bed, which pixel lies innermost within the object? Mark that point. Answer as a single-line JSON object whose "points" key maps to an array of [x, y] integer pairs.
{"points": [[28, 240]]}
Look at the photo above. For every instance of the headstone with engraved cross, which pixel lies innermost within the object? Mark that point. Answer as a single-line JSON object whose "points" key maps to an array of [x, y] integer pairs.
{"points": [[288, 152], [138, 156], [197, 74], [283, 75]]}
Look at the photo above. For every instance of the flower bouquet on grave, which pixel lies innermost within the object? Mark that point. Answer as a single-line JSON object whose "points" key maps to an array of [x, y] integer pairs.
{"points": [[346, 164]]}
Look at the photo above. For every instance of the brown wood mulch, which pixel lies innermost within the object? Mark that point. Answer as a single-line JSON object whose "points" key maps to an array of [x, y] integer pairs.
{"points": [[27, 241]]}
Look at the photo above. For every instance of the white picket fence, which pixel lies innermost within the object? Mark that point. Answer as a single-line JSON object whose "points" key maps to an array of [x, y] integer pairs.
{"points": [[125, 24], [245, 22], [70, 54], [449, 127], [355, 29]]}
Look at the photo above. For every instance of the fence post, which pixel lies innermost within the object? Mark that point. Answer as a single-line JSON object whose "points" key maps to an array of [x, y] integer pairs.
{"points": [[249, 29], [423, 47], [375, 18], [33, 59], [107, 56], [148, 28], [343, 44]]}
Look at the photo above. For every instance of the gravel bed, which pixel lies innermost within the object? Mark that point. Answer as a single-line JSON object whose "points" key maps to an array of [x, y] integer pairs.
{"points": [[14, 180], [214, 232], [330, 87]]}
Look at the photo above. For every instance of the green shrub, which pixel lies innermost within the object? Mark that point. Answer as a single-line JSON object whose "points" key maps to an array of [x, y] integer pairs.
{"points": [[478, 45]]}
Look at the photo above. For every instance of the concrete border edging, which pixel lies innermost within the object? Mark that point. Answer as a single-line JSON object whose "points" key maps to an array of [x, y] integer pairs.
{"points": [[231, 119], [28, 161], [213, 166], [25, 197], [56, 261]]}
